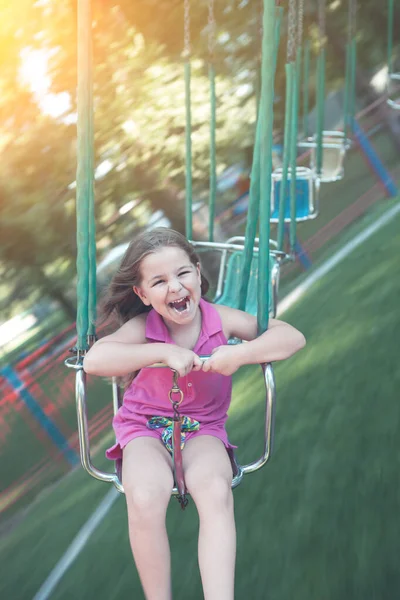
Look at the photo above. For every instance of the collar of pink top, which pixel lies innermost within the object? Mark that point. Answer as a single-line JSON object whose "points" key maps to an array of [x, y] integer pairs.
{"points": [[157, 331]]}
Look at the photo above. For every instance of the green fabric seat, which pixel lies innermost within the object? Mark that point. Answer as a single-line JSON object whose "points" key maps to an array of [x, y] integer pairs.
{"points": [[230, 294]]}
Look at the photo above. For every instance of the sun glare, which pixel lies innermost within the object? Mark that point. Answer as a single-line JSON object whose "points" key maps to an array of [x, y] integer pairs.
{"points": [[33, 71], [34, 75]]}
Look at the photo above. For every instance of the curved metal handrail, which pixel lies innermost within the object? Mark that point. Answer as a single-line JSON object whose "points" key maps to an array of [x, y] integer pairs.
{"points": [[270, 399], [328, 140], [83, 430]]}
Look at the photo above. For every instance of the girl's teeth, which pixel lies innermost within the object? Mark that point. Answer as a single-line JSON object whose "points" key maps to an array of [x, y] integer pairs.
{"points": [[181, 305]]}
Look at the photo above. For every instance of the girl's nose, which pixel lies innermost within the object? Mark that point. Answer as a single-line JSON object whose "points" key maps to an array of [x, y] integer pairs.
{"points": [[175, 285]]}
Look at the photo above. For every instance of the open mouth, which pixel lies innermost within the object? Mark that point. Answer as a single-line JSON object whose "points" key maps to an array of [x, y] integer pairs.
{"points": [[180, 305]]}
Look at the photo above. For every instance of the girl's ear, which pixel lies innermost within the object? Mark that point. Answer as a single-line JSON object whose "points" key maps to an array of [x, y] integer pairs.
{"points": [[141, 295], [198, 268]]}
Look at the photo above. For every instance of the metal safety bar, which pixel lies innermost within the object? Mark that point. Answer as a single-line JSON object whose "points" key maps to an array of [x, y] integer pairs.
{"points": [[334, 139]]}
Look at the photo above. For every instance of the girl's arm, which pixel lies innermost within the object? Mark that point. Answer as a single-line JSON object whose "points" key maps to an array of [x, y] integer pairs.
{"points": [[279, 342], [122, 352], [127, 350]]}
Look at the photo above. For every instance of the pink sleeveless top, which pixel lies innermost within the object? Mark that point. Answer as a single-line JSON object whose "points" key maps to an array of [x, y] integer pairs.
{"points": [[207, 396]]}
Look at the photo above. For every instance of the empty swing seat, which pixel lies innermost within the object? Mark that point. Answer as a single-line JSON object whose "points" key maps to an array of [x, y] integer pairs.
{"points": [[307, 191], [393, 91], [335, 145]]}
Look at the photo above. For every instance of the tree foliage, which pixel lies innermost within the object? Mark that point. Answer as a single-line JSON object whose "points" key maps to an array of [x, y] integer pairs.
{"points": [[139, 113]]}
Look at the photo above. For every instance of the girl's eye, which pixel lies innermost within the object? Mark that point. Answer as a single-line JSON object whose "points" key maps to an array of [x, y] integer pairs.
{"points": [[157, 282], [184, 273]]}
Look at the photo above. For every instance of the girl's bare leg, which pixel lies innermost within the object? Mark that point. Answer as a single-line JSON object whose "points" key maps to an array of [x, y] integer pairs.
{"points": [[147, 479], [208, 475]]}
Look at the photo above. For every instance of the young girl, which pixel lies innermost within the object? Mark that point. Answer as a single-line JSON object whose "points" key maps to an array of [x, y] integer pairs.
{"points": [[158, 297]]}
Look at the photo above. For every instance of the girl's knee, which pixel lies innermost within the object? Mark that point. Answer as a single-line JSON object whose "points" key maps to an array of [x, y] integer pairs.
{"points": [[211, 490], [147, 502]]}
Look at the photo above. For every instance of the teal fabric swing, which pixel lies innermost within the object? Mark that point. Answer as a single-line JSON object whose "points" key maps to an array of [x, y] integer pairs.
{"points": [[86, 264]]}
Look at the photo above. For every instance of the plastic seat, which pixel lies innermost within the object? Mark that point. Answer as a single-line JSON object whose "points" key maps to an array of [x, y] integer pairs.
{"points": [[307, 195], [335, 145]]}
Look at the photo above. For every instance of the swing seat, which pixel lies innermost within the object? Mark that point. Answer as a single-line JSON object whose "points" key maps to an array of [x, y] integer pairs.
{"points": [[231, 261], [231, 287], [335, 145], [228, 284], [393, 90], [115, 478], [307, 195]]}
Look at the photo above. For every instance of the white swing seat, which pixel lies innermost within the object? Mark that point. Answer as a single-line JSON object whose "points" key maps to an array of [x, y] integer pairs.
{"points": [[393, 90], [335, 145], [307, 195]]}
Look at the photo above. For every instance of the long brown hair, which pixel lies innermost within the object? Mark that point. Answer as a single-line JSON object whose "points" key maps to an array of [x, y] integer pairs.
{"points": [[121, 303]]}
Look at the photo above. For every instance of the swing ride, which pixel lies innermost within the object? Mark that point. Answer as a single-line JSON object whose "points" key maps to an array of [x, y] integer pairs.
{"points": [[249, 266], [328, 148]]}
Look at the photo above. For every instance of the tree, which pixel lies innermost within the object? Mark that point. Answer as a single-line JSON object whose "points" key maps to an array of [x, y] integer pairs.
{"points": [[139, 112]]}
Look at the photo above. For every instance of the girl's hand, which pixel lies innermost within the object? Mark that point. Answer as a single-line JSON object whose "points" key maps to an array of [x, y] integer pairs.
{"points": [[224, 360], [181, 360]]}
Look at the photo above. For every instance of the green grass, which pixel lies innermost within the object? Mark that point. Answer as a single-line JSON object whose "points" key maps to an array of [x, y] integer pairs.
{"points": [[290, 281], [320, 521], [36, 444]]}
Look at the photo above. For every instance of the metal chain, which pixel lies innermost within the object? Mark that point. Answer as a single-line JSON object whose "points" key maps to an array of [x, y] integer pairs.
{"points": [[300, 24], [175, 389], [186, 29], [260, 25], [321, 22], [211, 29], [291, 42], [352, 19]]}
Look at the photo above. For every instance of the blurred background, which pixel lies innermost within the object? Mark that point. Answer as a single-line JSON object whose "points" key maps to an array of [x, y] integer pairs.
{"points": [[320, 522]]}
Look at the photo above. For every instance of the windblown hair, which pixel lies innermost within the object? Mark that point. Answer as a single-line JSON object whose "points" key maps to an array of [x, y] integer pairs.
{"points": [[121, 303]]}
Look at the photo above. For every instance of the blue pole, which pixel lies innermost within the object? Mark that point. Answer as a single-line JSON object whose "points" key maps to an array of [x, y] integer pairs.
{"points": [[376, 164], [37, 412], [301, 254]]}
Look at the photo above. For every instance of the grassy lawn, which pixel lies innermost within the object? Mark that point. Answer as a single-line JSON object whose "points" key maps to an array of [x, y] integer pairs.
{"points": [[293, 279], [319, 522], [37, 445]]}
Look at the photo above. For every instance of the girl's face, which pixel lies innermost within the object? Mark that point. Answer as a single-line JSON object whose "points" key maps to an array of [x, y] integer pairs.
{"points": [[171, 284]]}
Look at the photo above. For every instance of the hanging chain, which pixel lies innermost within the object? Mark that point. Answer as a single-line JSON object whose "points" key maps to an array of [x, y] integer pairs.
{"points": [[260, 22], [211, 30], [352, 19], [186, 29], [291, 42], [321, 22], [300, 24], [175, 389]]}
